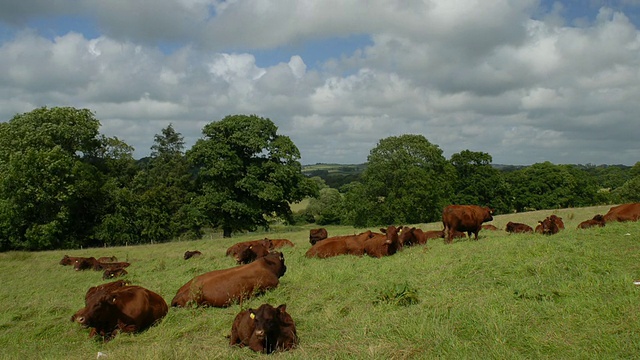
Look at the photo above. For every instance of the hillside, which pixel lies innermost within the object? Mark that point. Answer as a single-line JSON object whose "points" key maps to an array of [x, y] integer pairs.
{"points": [[566, 296]]}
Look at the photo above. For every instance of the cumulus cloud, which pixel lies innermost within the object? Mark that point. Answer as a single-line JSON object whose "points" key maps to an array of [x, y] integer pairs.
{"points": [[518, 80]]}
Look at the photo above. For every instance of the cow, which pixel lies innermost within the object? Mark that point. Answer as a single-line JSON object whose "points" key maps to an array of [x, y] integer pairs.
{"points": [[340, 245], [93, 263], [96, 291], [316, 235], [126, 309], [189, 254], [518, 228], [558, 221], [549, 226], [464, 218], [251, 253], [434, 234], [238, 247], [69, 260], [597, 220], [113, 273], [412, 236], [384, 244], [221, 288], [624, 212], [279, 243], [264, 330], [489, 227]]}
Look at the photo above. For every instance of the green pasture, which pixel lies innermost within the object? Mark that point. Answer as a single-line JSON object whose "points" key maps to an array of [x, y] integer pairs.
{"points": [[566, 296]]}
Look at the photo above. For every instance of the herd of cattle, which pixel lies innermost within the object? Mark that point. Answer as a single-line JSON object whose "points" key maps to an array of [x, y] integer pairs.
{"points": [[120, 307]]}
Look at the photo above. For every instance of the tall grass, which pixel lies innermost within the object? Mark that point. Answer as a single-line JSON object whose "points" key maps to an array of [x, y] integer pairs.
{"points": [[568, 296]]}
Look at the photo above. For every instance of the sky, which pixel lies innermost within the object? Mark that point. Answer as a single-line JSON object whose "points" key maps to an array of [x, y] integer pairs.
{"points": [[526, 81]]}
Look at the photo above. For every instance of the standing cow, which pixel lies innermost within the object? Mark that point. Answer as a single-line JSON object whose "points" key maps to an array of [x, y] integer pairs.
{"points": [[464, 218]]}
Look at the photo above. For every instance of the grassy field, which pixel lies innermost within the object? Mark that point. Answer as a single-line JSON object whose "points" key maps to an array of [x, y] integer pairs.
{"points": [[567, 296]]}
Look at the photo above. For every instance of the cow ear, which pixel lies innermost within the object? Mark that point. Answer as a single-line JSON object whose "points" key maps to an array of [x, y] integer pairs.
{"points": [[252, 315], [282, 308]]}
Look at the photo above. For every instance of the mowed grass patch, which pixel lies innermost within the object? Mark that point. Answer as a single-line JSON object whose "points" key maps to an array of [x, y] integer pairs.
{"points": [[569, 295]]}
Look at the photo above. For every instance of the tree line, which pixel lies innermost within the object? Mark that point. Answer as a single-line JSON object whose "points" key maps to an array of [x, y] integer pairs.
{"points": [[64, 185]]}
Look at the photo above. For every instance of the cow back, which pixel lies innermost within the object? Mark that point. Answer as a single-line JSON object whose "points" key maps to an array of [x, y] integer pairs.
{"points": [[624, 212]]}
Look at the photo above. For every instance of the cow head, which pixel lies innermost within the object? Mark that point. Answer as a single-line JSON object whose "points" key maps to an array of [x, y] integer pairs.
{"points": [[275, 260], [488, 216]]}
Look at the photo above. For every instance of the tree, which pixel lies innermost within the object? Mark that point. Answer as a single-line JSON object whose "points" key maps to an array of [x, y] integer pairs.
{"points": [[630, 190], [50, 188], [478, 183], [164, 189], [327, 207], [549, 186], [246, 172], [407, 181]]}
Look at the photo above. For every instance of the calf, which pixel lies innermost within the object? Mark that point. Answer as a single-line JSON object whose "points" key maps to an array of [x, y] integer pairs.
{"points": [[489, 227], [316, 235], [597, 220], [189, 254], [266, 329], [518, 228], [221, 288], [125, 309]]}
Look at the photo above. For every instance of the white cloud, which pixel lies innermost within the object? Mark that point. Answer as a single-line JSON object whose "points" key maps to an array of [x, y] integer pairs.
{"points": [[468, 74]]}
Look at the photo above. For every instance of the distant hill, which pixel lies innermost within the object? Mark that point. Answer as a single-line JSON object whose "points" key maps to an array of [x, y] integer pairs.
{"points": [[334, 175]]}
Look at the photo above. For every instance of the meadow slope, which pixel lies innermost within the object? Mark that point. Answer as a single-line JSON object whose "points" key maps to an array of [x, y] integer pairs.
{"points": [[566, 296]]}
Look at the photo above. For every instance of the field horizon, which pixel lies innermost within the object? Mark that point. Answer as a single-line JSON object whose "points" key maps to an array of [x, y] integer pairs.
{"points": [[569, 295]]}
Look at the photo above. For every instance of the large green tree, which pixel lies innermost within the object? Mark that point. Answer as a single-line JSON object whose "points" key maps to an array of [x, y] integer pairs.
{"points": [[246, 173], [549, 186], [407, 181], [164, 188], [478, 183], [50, 187]]}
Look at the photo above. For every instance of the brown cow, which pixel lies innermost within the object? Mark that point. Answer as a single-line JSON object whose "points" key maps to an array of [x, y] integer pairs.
{"points": [[340, 245], [189, 254], [266, 329], [280, 243], [251, 253], [518, 228], [384, 244], [106, 259], [465, 218], [597, 220], [558, 221], [489, 227], [548, 226], [316, 235], [113, 273], [96, 291], [234, 249], [93, 263], [624, 212], [127, 309], [221, 288], [412, 236], [69, 260]]}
